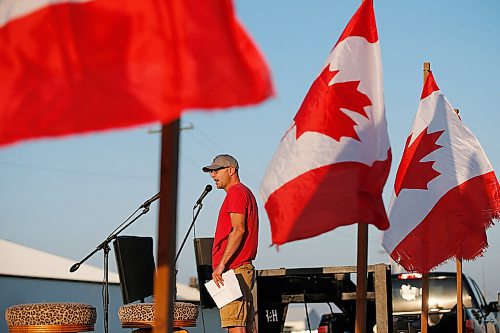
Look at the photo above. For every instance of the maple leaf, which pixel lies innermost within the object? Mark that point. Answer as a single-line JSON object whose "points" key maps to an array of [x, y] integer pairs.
{"points": [[321, 109], [412, 172]]}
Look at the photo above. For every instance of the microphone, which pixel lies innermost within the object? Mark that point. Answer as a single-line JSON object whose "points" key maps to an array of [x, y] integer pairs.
{"points": [[207, 189], [149, 201], [74, 267]]}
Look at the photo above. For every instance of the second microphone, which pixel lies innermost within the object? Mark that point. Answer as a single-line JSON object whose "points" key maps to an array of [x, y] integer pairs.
{"points": [[207, 189]]}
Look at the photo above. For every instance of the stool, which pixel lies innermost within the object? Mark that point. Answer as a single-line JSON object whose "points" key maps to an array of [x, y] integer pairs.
{"points": [[142, 316], [50, 318]]}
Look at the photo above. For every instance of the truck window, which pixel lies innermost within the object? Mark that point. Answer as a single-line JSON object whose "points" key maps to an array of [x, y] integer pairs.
{"points": [[477, 292], [407, 294]]}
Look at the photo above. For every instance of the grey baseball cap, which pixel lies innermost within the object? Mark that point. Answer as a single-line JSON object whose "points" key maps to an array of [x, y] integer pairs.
{"points": [[221, 161]]}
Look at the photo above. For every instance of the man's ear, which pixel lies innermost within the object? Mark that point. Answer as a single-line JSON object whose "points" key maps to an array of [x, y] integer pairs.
{"points": [[232, 171]]}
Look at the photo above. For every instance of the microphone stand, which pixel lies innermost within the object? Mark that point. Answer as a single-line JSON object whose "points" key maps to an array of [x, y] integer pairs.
{"points": [[199, 205], [105, 247]]}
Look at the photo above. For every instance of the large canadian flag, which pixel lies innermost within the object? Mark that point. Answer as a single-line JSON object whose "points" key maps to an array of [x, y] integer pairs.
{"points": [[445, 194], [331, 165], [73, 66]]}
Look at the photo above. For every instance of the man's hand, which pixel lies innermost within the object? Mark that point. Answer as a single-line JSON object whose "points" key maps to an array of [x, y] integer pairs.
{"points": [[217, 275]]}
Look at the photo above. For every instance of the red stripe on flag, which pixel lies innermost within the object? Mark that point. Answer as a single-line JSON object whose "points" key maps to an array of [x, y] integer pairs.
{"points": [[328, 197], [455, 227], [79, 67], [63, 74]]}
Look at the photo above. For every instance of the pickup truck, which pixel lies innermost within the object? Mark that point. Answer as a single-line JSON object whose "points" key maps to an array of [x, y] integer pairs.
{"points": [[479, 316]]}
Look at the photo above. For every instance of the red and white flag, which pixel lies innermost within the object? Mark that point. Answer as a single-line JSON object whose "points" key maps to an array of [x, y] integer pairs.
{"points": [[331, 165], [446, 193], [73, 66]]}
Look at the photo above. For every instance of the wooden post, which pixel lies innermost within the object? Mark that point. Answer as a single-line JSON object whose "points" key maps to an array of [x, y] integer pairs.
{"points": [[460, 318], [167, 228], [425, 276], [460, 314], [425, 303], [361, 278]]}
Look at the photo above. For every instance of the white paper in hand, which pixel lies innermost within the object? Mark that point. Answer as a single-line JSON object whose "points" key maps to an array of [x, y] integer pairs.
{"points": [[226, 293]]}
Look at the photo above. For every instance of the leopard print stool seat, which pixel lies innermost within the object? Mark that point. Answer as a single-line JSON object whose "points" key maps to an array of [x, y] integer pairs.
{"points": [[50, 317], [142, 315]]}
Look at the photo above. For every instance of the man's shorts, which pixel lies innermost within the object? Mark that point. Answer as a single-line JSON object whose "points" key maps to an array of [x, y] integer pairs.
{"points": [[237, 312]]}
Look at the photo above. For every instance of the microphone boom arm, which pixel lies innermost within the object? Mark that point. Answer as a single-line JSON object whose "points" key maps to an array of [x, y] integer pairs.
{"points": [[108, 240], [105, 247]]}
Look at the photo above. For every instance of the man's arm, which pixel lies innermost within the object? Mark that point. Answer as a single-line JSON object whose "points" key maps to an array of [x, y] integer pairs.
{"points": [[233, 243]]}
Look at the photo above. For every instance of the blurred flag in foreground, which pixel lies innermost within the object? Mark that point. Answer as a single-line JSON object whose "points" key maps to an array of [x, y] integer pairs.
{"points": [[445, 194], [331, 165], [78, 66]]}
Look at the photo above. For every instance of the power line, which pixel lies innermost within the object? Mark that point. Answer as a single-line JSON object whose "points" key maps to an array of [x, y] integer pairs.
{"points": [[75, 172]]}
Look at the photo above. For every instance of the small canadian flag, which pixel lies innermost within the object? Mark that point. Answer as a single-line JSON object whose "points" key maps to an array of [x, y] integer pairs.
{"points": [[445, 194]]}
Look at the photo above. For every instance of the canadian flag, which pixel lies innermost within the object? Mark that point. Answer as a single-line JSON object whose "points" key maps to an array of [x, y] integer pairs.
{"points": [[74, 66], [331, 165], [445, 193]]}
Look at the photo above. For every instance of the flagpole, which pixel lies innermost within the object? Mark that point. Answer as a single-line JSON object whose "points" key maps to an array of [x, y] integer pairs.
{"points": [[361, 278], [459, 284], [425, 303], [167, 224], [459, 297], [425, 276], [164, 287]]}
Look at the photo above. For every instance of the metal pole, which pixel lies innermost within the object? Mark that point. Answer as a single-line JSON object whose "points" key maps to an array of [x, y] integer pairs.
{"points": [[106, 288]]}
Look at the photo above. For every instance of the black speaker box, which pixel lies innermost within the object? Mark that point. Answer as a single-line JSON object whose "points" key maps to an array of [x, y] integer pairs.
{"points": [[203, 253], [136, 267]]}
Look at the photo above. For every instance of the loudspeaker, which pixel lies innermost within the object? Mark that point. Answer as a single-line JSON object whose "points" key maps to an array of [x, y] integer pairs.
{"points": [[203, 253], [136, 267]]}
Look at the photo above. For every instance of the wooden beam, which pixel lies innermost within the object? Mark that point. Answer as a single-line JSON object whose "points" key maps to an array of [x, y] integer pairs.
{"points": [[383, 298], [167, 229]]}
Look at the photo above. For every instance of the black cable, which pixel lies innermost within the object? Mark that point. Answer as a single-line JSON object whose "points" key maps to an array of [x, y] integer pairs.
{"points": [[202, 317], [126, 220], [103, 291], [194, 226], [331, 310], [307, 316]]}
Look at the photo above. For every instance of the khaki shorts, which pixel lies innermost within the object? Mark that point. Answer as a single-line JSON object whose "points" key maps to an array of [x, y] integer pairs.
{"points": [[237, 312]]}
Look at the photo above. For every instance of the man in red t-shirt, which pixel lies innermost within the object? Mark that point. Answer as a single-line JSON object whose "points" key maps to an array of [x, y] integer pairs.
{"points": [[235, 241]]}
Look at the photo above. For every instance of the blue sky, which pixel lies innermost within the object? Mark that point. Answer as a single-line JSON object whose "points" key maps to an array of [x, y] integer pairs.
{"points": [[65, 196]]}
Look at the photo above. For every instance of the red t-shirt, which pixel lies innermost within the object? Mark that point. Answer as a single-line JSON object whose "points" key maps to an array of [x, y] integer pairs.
{"points": [[239, 199]]}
